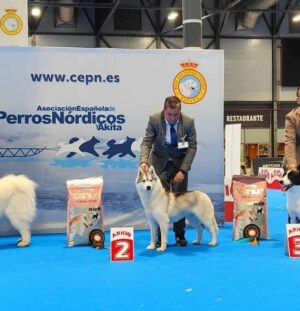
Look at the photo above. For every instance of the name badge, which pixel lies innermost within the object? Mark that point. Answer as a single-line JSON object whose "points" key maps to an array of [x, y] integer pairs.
{"points": [[183, 145]]}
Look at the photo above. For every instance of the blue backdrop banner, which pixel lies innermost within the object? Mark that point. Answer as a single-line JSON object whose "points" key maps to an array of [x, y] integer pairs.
{"points": [[69, 113]]}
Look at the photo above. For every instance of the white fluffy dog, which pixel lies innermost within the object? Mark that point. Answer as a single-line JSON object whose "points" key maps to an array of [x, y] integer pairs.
{"points": [[17, 203], [163, 207]]}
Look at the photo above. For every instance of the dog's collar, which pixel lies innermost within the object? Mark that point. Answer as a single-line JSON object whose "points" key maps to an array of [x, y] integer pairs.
{"points": [[286, 188]]}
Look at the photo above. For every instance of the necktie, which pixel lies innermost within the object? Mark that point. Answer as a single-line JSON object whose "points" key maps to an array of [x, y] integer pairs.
{"points": [[173, 135]]}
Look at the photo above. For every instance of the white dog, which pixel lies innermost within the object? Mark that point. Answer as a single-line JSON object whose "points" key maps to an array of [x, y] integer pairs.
{"points": [[186, 88], [17, 203], [163, 207], [291, 184]]}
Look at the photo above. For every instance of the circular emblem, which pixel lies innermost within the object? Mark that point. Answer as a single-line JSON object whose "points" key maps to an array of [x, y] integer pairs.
{"points": [[189, 86], [251, 231], [97, 238], [11, 24]]}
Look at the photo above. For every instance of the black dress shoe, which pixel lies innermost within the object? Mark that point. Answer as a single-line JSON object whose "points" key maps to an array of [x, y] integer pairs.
{"points": [[181, 241]]}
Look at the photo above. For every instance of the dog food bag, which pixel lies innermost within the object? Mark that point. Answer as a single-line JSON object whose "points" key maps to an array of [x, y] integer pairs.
{"points": [[85, 209], [250, 207]]}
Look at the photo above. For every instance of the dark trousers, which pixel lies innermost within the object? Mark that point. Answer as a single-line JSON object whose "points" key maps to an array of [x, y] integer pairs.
{"points": [[166, 178]]}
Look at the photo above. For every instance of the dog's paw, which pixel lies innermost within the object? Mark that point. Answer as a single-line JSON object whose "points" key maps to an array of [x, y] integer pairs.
{"points": [[196, 242], [151, 246], [161, 249], [22, 243], [212, 243]]}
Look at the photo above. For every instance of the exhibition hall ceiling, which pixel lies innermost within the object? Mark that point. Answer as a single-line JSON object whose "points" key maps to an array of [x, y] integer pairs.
{"points": [[149, 18]]}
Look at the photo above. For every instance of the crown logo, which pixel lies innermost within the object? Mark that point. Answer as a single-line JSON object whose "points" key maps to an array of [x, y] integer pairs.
{"points": [[11, 10], [189, 64]]}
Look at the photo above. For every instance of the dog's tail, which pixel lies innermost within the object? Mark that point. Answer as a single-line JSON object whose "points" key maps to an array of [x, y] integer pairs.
{"points": [[213, 221], [215, 225], [26, 185], [22, 194]]}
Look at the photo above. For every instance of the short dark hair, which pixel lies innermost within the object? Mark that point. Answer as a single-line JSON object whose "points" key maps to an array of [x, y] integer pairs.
{"points": [[172, 102], [298, 89]]}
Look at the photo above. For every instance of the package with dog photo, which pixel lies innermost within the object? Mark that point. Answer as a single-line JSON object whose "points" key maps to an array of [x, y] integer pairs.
{"points": [[84, 210], [250, 207]]}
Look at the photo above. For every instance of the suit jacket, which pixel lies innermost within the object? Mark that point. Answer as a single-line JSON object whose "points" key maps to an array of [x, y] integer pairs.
{"points": [[154, 150], [292, 138]]}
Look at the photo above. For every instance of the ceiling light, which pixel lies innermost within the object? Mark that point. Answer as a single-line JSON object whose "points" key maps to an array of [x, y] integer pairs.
{"points": [[36, 11], [172, 15], [296, 18]]}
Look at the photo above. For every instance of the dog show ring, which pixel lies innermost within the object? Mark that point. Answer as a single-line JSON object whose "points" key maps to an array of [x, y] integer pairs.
{"points": [[97, 238], [251, 231]]}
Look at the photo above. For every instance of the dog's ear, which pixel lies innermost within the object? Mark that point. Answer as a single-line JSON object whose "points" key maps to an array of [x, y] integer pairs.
{"points": [[294, 177], [152, 171], [140, 172]]}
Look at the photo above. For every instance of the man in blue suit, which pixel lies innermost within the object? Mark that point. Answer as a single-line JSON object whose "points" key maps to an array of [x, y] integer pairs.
{"points": [[170, 145]]}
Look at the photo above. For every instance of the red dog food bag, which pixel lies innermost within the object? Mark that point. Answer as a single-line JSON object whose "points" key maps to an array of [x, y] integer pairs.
{"points": [[85, 209], [249, 207]]}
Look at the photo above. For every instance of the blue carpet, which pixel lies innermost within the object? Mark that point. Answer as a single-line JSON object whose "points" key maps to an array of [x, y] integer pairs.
{"points": [[50, 276]]}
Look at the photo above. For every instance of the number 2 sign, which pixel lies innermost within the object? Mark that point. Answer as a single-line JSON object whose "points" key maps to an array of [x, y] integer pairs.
{"points": [[121, 244], [293, 239]]}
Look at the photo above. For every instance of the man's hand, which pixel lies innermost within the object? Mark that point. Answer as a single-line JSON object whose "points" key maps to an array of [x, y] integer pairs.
{"points": [[179, 177], [144, 167], [292, 167]]}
